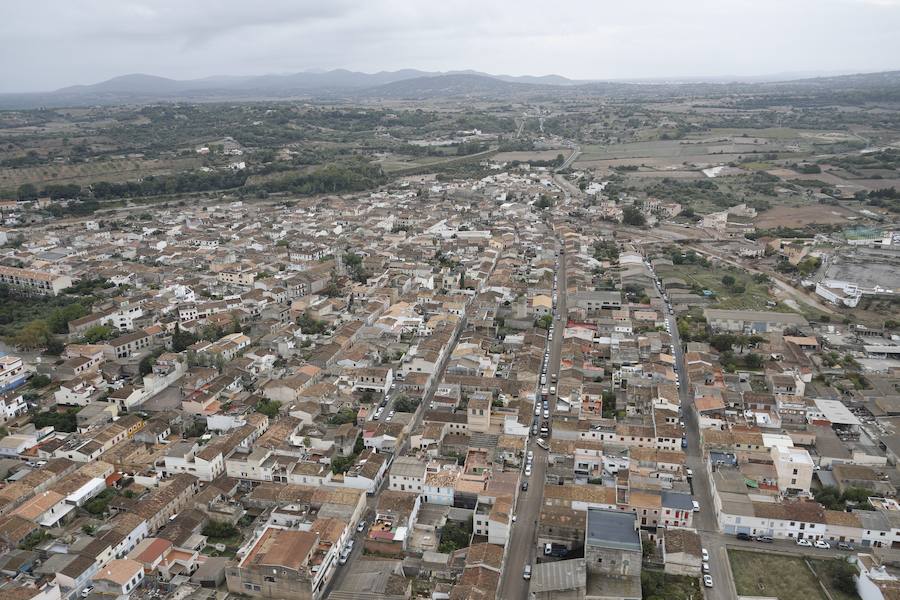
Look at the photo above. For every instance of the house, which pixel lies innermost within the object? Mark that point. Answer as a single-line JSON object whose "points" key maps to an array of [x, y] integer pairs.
{"points": [[119, 578], [407, 474], [34, 282], [12, 372], [283, 564], [126, 346], [613, 554], [12, 405], [682, 552]]}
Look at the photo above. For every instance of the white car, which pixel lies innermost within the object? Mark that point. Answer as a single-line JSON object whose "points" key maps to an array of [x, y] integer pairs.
{"points": [[822, 544], [527, 470], [705, 554], [806, 543], [696, 505], [690, 472], [706, 567], [707, 581], [546, 414], [530, 455]]}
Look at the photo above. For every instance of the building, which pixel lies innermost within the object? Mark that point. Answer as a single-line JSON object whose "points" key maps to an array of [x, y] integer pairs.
{"points": [[613, 554], [119, 578], [752, 321], [34, 282], [794, 467], [284, 564], [125, 346], [12, 372]]}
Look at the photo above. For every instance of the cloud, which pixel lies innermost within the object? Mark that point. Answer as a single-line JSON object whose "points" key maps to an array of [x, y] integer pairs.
{"points": [[53, 43]]}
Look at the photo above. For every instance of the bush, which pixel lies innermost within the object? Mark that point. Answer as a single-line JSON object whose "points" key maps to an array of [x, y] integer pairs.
{"points": [[220, 530]]}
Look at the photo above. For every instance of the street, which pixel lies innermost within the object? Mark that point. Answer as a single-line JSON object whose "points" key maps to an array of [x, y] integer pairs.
{"points": [[705, 520], [522, 548]]}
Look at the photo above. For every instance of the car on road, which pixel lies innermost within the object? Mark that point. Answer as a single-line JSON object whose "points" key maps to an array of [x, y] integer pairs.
{"points": [[534, 429], [87, 591], [542, 443], [526, 574], [705, 554], [707, 581], [390, 415], [822, 544], [805, 543], [552, 390], [706, 567], [844, 546], [361, 526], [690, 473], [546, 414], [537, 410]]}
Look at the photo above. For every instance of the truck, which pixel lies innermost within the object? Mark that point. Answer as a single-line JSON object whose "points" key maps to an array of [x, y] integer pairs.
{"points": [[557, 550]]}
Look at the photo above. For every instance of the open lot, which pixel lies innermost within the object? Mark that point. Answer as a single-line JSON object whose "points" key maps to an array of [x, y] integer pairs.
{"points": [[754, 296], [798, 215], [527, 155], [101, 170], [774, 576]]}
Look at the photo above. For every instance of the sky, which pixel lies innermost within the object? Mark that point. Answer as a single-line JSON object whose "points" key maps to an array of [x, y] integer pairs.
{"points": [[48, 44]]}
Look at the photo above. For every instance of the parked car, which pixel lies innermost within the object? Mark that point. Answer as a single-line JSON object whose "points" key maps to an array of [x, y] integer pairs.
{"points": [[530, 455], [707, 581], [844, 546], [822, 544], [689, 472], [706, 567], [87, 591], [765, 539], [806, 543], [744, 536], [524, 486], [705, 554], [345, 555], [527, 470], [526, 574], [696, 505]]}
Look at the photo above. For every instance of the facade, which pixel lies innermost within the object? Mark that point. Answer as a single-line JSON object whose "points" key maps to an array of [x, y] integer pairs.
{"points": [[34, 282]]}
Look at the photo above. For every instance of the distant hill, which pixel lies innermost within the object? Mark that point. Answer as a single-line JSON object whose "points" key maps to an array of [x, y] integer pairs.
{"points": [[415, 84], [141, 88]]}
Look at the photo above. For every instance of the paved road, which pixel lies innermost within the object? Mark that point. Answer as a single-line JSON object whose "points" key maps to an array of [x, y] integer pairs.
{"points": [[522, 548], [576, 152], [705, 520]]}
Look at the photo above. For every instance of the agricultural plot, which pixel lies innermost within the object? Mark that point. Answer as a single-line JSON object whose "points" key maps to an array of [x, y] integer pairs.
{"points": [[101, 170]]}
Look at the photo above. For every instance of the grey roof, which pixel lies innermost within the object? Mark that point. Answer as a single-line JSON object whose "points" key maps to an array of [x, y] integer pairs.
{"points": [[677, 500], [407, 466], [559, 576], [612, 529]]}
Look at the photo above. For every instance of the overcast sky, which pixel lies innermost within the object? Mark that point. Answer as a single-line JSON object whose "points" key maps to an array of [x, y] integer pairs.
{"points": [[54, 43]]}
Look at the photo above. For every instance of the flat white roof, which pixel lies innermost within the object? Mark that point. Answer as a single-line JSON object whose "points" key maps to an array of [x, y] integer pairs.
{"points": [[836, 412]]}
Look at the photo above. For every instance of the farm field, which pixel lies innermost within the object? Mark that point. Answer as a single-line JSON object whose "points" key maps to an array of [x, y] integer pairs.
{"points": [[102, 170], [785, 577], [527, 155], [798, 215]]}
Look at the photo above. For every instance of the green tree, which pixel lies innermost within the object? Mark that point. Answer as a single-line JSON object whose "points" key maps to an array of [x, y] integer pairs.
{"points": [[97, 333], [26, 192], [181, 339], [631, 215], [727, 280], [270, 408], [32, 335]]}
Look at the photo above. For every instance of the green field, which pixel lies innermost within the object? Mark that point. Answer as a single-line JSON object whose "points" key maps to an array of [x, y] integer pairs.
{"points": [[775, 575], [754, 296], [785, 577]]}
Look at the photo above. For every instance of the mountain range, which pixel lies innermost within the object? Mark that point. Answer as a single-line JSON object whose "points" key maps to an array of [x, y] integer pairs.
{"points": [[405, 84]]}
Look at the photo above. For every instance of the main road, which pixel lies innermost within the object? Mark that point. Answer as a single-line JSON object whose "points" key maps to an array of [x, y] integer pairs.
{"points": [[705, 521], [522, 547]]}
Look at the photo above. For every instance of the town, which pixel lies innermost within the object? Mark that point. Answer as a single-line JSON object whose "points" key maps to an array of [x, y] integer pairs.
{"points": [[528, 359]]}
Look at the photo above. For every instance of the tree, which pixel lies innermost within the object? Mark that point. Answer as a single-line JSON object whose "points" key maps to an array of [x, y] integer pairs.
{"points": [[631, 215], [182, 339], [26, 192], [727, 280], [33, 335], [405, 404], [146, 365], [40, 380], [545, 322], [270, 408], [722, 341], [220, 530], [753, 361], [97, 333]]}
